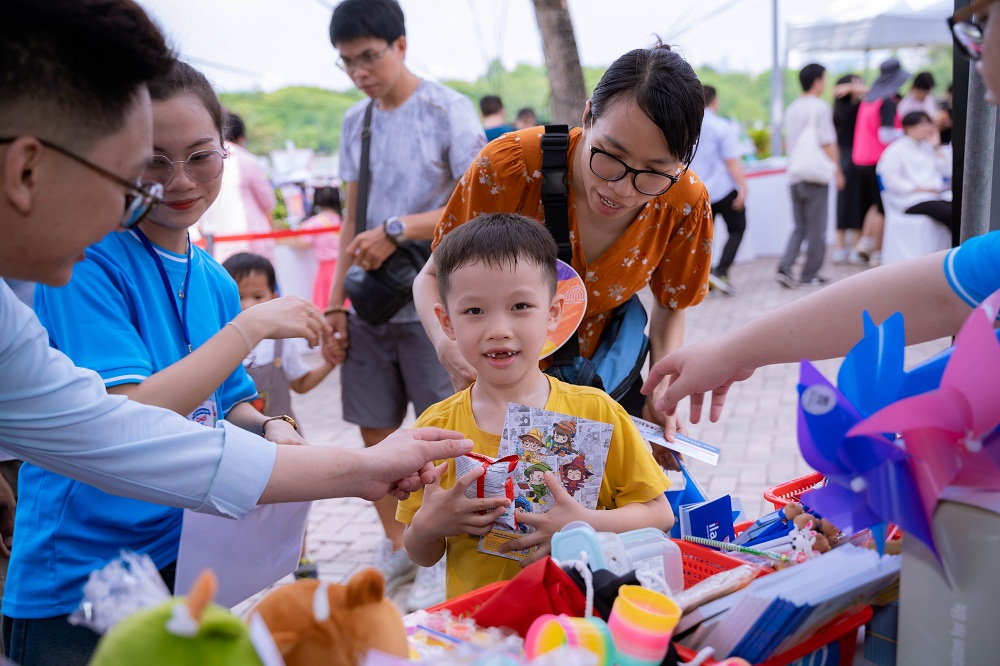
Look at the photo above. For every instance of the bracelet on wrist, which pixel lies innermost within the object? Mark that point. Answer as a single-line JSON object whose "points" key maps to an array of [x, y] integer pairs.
{"points": [[284, 417], [335, 309]]}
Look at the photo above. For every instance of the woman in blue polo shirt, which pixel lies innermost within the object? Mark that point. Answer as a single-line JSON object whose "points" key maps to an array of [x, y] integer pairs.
{"points": [[161, 322]]}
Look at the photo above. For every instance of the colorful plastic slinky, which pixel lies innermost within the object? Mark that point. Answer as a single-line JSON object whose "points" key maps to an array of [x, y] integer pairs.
{"points": [[550, 632], [642, 622]]}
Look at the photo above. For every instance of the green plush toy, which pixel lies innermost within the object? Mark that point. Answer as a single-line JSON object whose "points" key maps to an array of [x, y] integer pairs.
{"points": [[180, 632]]}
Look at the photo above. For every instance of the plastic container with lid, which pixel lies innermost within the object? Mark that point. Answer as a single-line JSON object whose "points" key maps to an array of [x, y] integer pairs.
{"points": [[643, 550]]}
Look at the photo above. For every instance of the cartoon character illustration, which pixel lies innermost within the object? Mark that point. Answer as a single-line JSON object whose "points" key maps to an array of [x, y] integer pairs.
{"points": [[535, 475], [560, 442], [532, 447], [521, 505], [574, 474]]}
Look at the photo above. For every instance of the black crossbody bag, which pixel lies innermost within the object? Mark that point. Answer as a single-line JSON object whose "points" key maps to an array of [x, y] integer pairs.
{"points": [[621, 352], [378, 294]]}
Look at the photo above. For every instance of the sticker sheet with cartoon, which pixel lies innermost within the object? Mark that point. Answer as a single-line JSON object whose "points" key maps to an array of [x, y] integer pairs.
{"points": [[575, 449]]}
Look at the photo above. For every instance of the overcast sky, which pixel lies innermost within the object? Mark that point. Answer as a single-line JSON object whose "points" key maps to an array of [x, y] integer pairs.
{"points": [[267, 44]]}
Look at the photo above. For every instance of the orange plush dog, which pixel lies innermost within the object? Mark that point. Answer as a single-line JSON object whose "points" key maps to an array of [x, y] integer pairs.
{"points": [[319, 624]]}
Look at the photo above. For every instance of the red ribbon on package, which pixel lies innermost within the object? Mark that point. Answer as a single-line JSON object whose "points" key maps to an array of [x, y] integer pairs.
{"points": [[497, 479]]}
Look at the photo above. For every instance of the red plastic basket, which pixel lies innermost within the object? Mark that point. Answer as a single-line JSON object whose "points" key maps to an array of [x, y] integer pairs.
{"points": [[700, 562], [790, 491]]}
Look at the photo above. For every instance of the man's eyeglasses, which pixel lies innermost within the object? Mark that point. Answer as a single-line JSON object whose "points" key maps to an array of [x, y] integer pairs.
{"points": [[203, 166], [967, 31], [608, 167], [138, 202], [365, 61]]}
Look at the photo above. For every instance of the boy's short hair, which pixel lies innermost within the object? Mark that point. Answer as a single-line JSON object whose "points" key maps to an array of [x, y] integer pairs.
{"points": [[498, 240], [357, 19], [809, 74], [70, 69], [490, 104], [924, 81], [243, 264]]}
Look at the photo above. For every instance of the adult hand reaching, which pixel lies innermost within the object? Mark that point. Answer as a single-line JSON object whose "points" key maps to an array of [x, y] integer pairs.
{"points": [[285, 317], [694, 371], [404, 461]]}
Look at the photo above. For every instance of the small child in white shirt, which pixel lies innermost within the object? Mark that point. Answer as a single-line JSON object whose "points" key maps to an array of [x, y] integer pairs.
{"points": [[276, 366]]}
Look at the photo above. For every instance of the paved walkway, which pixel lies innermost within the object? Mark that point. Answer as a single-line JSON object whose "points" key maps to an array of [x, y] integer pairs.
{"points": [[756, 432]]}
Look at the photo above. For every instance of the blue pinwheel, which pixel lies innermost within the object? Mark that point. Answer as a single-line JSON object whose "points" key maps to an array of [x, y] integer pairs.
{"points": [[871, 479]]}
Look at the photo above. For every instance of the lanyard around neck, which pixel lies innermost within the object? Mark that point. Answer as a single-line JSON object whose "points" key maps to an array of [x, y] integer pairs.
{"points": [[183, 295]]}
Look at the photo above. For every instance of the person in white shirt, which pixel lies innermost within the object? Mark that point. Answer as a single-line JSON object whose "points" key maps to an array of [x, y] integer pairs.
{"points": [[717, 163], [813, 160], [920, 97], [915, 170], [75, 135]]}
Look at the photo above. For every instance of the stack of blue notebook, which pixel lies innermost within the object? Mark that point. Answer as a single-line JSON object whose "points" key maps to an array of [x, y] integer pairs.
{"points": [[776, 612]]}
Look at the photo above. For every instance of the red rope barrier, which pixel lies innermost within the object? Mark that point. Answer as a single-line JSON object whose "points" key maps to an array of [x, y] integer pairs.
{"points": [[284, 233]]}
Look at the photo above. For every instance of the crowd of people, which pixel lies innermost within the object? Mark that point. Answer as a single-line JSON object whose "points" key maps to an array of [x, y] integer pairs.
{"points": [[152, 378]]}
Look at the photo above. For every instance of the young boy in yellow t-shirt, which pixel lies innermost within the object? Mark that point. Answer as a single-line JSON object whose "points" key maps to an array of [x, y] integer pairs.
{"points": [[497, 281]]}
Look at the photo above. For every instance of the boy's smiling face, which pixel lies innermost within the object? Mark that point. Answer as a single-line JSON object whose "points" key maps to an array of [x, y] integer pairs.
{"points": [[500, 316]]}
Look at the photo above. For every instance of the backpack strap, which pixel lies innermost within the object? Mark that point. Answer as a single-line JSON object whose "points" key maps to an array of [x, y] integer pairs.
{"points": [[555, 190], [555, 200]]}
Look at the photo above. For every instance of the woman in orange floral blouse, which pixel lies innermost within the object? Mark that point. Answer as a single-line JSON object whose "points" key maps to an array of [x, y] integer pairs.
{"points": [[636, 215]]}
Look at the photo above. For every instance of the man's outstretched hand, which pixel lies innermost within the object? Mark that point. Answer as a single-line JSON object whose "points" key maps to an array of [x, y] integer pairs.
{"points": [[404, 461]]}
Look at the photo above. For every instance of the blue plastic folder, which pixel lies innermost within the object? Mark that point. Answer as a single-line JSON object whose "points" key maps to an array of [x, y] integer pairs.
{"points": [[691, 493]]}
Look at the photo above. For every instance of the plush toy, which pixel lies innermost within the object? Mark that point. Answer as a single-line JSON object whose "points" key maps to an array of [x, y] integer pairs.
{"points": [[320, 624], [179, 632]]}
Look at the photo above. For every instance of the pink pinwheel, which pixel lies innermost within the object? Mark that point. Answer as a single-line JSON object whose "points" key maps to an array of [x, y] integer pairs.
{"points": [[870, 478], [950, 429]]}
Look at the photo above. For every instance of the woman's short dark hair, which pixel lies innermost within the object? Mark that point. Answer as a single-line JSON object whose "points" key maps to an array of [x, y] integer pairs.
{"points": [[357, 19], [326, 197], [183, 79], [244, 264], [664, 86], [915, 118], [496, 239]]}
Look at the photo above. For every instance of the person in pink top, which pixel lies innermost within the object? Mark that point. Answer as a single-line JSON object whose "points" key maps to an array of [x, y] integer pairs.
{"points": [[245, 203], [326, 206]]}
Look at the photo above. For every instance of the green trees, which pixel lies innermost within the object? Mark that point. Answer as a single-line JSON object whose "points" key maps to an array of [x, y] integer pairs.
{"points": [[311, 117]]}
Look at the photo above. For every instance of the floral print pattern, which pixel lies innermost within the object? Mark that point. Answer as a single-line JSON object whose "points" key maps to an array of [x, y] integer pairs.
{"points": [[669, 246]]}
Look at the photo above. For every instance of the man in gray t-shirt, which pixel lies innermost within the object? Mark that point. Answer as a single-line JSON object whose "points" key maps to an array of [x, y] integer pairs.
{"points": [[809, 120], [423, 138]]}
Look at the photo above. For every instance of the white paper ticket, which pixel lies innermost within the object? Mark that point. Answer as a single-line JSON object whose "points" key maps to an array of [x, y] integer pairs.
{"points": [[682, 444]]}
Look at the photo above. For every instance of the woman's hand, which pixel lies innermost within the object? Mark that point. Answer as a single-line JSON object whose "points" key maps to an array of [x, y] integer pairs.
{"points": [[285, 317]]}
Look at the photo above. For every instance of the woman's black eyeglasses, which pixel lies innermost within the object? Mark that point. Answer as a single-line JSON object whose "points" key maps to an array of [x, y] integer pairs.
{"points": [[967, 32], [608, 167], [138, 202]]}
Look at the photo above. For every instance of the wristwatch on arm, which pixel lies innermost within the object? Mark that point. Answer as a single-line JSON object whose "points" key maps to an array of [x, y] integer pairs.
{"points": [[395, 228]]}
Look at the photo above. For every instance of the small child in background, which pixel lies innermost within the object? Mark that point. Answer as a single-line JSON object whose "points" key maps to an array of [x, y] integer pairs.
{"points": [[276, 366], [326, 209], [497, 284]]}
